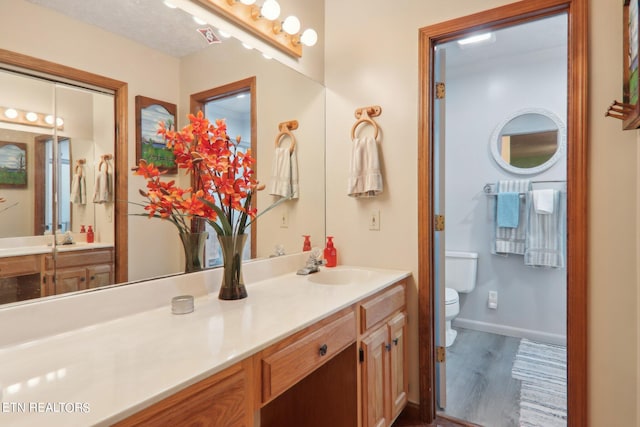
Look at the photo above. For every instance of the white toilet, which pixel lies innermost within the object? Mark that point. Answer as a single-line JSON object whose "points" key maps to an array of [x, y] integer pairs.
{"points": [[460, 271]]}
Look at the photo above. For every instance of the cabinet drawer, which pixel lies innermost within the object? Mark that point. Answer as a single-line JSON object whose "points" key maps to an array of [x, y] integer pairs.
{"points": [[19, 265], [289, 365], [381, 307], [78, 258]]}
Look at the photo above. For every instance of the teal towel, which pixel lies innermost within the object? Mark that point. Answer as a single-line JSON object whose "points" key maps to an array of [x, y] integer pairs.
{"points": [[508, 210]]}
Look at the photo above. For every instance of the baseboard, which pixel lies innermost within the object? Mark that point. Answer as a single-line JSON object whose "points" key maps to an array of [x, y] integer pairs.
{"points": [[510, 331]]}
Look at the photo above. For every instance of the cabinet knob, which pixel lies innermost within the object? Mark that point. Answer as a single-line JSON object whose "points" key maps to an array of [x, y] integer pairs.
{"points": [[82, 279], [92, 278], [388, 347], [323, 350], [395, 341]]}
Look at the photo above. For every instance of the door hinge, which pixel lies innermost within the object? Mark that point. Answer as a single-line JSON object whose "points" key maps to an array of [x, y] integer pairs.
{"points": [[361, 355], [441, 354], [440, 90], [439, 222]]}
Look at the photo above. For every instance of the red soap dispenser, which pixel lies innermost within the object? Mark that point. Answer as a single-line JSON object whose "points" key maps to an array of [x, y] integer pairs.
{"points": [[306, 246], [330, 253], [90, 235]]}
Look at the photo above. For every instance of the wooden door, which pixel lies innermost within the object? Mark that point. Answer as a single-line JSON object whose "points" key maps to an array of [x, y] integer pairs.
{"points": [[375, 377], [398, 375], [70, 280], [99, 275]]}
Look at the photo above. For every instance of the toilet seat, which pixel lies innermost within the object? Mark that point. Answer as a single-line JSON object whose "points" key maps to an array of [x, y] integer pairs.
{"points": [[451, 296]]}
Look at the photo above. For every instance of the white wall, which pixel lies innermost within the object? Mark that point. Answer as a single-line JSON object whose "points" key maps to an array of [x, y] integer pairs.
{"points": [[532, 301], [372, 58]]}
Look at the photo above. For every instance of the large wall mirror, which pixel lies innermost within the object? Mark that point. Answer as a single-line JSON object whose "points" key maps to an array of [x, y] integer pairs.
{"points": [[87, 144], [528, 141]]}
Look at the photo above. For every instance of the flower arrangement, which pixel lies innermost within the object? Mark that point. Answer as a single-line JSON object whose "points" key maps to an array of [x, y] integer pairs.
{"points": [[224, 178], [225, 184]]}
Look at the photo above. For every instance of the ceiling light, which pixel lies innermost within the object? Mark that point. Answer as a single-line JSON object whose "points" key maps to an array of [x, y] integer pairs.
{"points": [[198, 20], [248, 2], [169, 4], [291, 25], [224, 34], [309, 37], [475, 39], [49, 120], [265, 56], [246, 46], [31, 116], [270, 10], [11, 113]]}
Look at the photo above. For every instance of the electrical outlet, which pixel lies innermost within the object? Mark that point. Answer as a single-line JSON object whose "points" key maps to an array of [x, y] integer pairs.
{"points": [[492, 302], [284, 219], [374, 220]]}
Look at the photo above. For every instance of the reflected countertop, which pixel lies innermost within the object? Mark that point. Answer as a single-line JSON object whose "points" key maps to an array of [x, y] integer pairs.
{"points": [[102, 373], [6, 252]]}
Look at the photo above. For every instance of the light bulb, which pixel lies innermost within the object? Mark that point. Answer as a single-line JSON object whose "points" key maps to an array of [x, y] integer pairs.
{"points": [[59, 121], [49, 119], [11, 113], [309, 37], [31, 116], [291, 25], [248, 2], [270, 10]]}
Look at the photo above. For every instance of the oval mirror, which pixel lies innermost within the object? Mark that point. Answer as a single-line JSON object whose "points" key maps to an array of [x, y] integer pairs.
{"points": [[528, 141]]}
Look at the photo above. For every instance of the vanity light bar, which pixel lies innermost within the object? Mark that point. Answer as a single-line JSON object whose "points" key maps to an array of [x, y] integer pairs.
{"points": [[250, 18], [29, 118]]}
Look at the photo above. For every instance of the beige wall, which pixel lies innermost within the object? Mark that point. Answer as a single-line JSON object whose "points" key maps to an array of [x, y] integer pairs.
{"points": [[372, 58]]}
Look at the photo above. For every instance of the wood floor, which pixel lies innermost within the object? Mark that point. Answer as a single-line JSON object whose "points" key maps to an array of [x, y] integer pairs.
{"points": [[479, 384]]}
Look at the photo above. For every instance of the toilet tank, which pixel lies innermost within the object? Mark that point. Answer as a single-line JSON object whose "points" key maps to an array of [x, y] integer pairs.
{"points": [[460, 270]]}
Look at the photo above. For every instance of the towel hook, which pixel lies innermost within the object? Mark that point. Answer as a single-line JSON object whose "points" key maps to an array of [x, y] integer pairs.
{"points": [[364, 115], [285, 130]]}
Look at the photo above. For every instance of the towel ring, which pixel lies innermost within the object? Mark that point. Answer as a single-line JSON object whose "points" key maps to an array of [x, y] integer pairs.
{"points": [[286, 132], [364, 118]]}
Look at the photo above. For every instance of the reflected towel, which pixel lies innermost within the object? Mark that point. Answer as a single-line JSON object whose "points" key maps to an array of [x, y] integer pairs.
{"points": [[546, 235], [79, 189], [284, 174], [512, 240], [508, 210], [102, 190], [365, 179], [543, 201]]}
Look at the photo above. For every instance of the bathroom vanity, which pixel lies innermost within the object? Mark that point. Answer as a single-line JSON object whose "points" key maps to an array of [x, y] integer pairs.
{"points": [[300, 350], [33, 272]]}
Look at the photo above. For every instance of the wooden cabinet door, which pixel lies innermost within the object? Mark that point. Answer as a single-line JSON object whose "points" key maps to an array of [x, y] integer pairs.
{"points": [[70, 280], [375, 379], [398, 380], [99, 275]]}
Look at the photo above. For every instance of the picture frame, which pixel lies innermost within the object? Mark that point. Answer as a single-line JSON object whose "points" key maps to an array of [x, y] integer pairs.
{"points": [[149, 145], [13, 165], [631, 70]]}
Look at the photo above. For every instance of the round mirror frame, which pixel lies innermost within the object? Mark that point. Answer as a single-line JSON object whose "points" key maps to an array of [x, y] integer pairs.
{"points": [[562, 142]]}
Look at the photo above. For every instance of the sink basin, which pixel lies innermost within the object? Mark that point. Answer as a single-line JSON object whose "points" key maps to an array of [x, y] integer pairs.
{"points": [[340, 276]]}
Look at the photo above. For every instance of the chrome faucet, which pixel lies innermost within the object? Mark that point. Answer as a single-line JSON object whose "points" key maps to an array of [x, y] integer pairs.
{"points": [[313, 263]]}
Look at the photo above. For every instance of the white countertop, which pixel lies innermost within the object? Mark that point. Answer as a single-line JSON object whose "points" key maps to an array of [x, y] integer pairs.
{"points": [[45, 249], [103, 373]]}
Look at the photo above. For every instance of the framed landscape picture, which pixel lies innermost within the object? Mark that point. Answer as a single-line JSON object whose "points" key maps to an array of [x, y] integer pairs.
{"points": [[149, 145], [13, 165], [631, 46]]}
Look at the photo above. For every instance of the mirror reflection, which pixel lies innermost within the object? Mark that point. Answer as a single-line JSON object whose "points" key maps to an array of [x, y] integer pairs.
{"points": [[528, 142], [34, 227]]}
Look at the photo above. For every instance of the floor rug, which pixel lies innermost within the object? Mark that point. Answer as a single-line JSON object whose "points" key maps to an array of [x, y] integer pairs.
{"points": [[542, 368]]}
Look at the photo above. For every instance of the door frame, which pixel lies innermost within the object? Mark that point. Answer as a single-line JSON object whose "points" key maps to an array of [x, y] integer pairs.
{"points": [[577, 157]]}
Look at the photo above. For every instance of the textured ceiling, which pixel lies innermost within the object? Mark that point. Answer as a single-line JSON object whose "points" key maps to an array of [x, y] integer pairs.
{"points": [[148, 22]]}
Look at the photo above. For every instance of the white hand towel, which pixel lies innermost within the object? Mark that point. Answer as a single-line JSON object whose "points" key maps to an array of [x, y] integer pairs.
{"points": [[543, 201], [365, 179], [102, 191], [284, 174], [79, 189]]}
